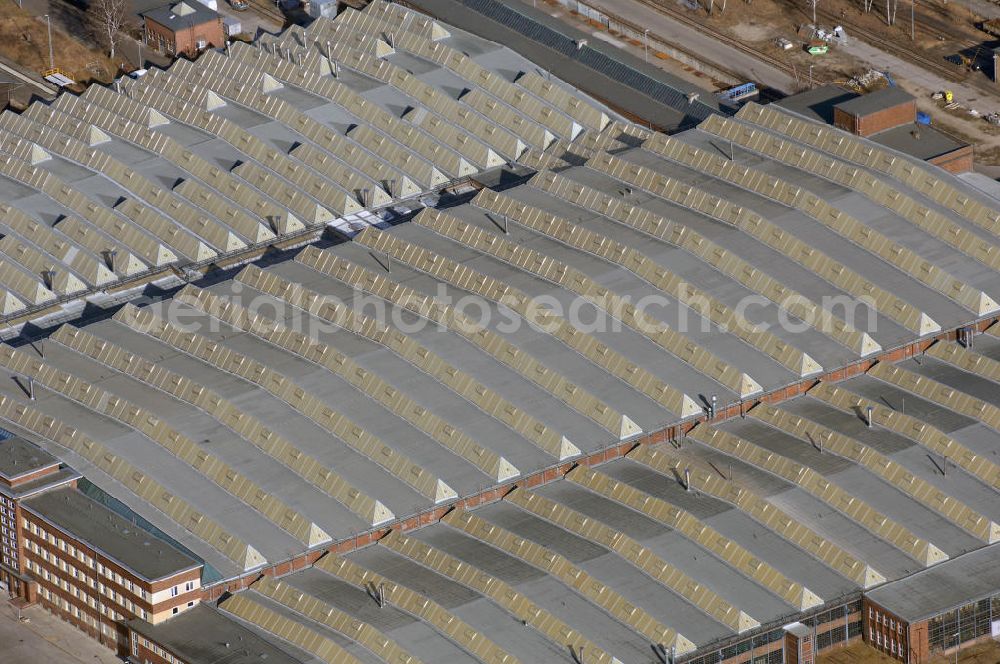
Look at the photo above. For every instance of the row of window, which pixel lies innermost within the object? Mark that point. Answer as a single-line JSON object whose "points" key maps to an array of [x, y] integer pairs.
{"points": [[73, 552], [188, 587], [155, 649], [877, 617], [89, 599], [57, 540], [62, 604], [8, 553], [963, 624], [889, 643], [837, 613], [749, 650], [8, 532], [825, 638], [65, 605]]}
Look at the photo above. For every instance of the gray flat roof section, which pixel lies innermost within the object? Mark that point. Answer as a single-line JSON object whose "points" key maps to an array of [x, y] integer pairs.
{"points": [[875, 101], [113, 535], [947, 585], [603, 71], [818, 103], [203, 635], [939, 307], [921, 141], [176, 17], [18, 458]]}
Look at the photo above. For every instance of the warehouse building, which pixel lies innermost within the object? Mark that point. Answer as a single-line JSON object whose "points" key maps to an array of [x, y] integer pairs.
{"points": [[25, 470], [937, 610], [184, 28], [888, 117], [346, 461]]}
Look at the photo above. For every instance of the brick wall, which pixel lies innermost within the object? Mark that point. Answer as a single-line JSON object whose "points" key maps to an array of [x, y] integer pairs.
{"points": [[884, 631], [668, 433], [184, 41], [876, 121], [956, 161]]}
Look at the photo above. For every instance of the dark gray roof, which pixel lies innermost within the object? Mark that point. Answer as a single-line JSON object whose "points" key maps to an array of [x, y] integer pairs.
{"points": [[602, 70], [48, 481], [817, 104], [109, 533], [920, 141], [875, 101], [18, 457], [953, 583], [201, 634], [168, 15]]}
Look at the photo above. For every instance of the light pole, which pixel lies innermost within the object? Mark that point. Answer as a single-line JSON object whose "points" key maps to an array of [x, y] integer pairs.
{"points": [[810, 77], [12, 89], [913, 33], [958, 645], [48, 21], [645, 38]]}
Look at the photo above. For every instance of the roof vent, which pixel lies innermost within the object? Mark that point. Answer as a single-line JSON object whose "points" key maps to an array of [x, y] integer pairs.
{"points": [[182, 9]]}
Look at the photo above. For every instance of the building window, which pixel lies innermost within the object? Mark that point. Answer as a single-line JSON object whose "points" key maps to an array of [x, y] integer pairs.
{"points": [[189, 586], [174, 591]]}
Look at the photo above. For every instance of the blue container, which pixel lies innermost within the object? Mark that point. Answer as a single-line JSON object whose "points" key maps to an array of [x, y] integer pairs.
{"points": [[923, 118]]}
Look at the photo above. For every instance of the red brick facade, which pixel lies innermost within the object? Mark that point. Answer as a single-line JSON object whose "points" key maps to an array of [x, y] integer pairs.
{"points": [[956, 161], [93, 592], [876, 121], [885, 632], [188, 41], [146, 651]]}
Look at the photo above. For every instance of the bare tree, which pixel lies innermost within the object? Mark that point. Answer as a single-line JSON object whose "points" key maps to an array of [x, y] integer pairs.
{"points": [[109, 19]]}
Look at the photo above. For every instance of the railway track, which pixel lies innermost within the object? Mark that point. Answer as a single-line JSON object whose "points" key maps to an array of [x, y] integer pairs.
{"points": [[682, 17], [943, 68], [268, 10]]}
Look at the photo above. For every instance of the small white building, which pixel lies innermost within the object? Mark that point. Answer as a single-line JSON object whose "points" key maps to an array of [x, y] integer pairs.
{"points": [[323, 8], [231, 26]]}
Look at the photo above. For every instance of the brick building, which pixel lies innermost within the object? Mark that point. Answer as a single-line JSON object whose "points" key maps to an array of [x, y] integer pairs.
{"points": [[25, 470], [96, 569], [874, 112], [183, 28], [887, 117], [205, 636], [948, 606]]}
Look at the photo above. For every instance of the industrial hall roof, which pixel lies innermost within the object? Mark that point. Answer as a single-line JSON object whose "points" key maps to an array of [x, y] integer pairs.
{"points": [[213, 161], [306, 401], [182, 14], [114, 536], [972, 577]]}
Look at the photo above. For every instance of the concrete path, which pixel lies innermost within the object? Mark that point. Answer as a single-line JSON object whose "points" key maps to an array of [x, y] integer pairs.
{"points": [[926, 81], [670, 31], [45, 638]]}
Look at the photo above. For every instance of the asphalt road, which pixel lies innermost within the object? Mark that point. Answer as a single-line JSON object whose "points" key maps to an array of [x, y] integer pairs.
{"points": [[45, 638], [670, 31]]}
